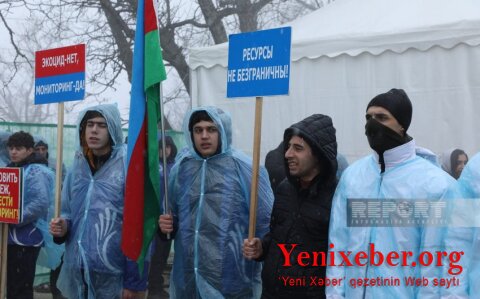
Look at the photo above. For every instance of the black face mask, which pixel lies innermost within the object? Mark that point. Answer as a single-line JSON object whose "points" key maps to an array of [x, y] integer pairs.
{"points": [[381, 138]]}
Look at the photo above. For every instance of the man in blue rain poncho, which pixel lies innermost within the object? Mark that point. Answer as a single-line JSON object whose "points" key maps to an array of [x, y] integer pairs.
{"points": [[467, 239], [92, 213], [393, 171], [41, 148], [27, 237], [210, 194], [3, 148]]}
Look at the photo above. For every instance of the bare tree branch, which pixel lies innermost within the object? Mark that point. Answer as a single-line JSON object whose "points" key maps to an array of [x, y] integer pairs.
{"points": [[122, 35], [12, 41], [108, 27]]}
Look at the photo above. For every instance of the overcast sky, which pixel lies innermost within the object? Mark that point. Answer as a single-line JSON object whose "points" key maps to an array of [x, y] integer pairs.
{"points": [[121, 94]]}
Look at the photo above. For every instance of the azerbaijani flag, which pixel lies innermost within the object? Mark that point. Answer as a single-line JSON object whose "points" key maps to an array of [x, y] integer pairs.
{"points": [[142, 186]]}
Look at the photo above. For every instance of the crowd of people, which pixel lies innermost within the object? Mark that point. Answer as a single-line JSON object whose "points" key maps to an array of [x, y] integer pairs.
{"points": [[303, 199]]}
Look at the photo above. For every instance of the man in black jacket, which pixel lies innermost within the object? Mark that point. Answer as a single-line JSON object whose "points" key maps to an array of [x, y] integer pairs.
{"points": [[301, 214], [275, 166]]}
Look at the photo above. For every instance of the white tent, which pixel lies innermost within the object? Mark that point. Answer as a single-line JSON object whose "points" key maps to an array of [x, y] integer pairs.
{"points": [[346, 53]]}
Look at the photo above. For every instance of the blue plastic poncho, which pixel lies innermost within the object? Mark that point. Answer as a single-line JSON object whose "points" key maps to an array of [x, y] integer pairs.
{"points": [[52, 162], [4, 158], [466, 239], [407, 176], [427, 155], [50, 254], [210, 200], [93, 207], [37, 208]]}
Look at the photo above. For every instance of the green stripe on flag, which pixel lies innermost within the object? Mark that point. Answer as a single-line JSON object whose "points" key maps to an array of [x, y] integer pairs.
{"points": [[154, 74], [152, 193], [154, 68]]}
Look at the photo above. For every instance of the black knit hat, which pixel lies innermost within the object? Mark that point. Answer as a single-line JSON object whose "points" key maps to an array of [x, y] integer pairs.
{"points": [[397, 103], [41, 143]]}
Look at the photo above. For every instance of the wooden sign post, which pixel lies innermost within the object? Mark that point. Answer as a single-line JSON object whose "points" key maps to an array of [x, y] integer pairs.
{"points": [[258, 65], [10, 212]]}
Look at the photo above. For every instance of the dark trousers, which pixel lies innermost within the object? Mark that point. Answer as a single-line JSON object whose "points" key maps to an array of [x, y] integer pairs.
{"points": [[21, 262], [158, 265], [56, 294]]}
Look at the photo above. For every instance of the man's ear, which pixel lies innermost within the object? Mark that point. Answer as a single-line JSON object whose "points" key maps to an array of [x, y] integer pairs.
{"points": [[30, 150]]}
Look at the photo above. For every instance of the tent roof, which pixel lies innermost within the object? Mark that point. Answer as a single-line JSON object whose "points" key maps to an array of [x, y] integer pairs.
{"points": [[353, 27]]}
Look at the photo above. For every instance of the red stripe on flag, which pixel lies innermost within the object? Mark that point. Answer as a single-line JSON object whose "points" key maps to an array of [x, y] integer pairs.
{"points": [[150, 20], [132, 233]]}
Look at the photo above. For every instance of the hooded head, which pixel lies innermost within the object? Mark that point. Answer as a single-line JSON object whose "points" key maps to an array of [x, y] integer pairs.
{"points": [[110, 113], [318, 132], [41, 148], [3, 148], [453, 162], [205, 127]]}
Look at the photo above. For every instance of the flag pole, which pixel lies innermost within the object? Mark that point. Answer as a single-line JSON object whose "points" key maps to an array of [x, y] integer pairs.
{"points": [[256, 162], [58, 174], [164, 158]]}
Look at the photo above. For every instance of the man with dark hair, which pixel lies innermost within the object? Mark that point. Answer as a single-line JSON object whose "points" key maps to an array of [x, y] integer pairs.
{"points": [[393, 172], [301, 211], [198, 121], [209, 188], [21, 140], [92, 213], [26, 238]]}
